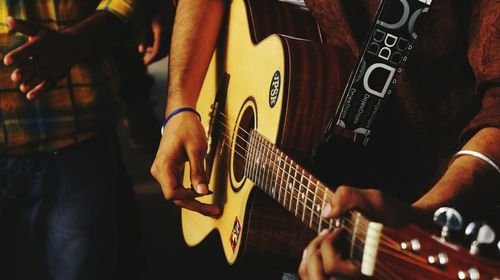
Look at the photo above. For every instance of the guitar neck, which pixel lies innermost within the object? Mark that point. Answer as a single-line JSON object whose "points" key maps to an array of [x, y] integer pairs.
{"points": [[304, 196], [286, 182]]}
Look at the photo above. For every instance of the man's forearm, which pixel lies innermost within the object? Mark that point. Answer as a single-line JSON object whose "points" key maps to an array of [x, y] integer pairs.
{"points": [[470, 184], [196, 28], [97, 31]]}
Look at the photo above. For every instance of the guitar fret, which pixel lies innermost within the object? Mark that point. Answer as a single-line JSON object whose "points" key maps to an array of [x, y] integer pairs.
{"points": [[303, 196], [298, 194], [282, 173], [253, 171], [259, 163], [249, 158], [313, 207], [329, 223], [290, 185], [354, 235], [257, 160], [274, 173], [319, 200], [263, 165], [309, 198], [357, 254], [268, 170], [286, 183]]}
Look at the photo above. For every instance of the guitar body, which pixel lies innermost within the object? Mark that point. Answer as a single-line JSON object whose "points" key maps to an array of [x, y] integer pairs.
{"points": [[265, 102], [276, 77]]}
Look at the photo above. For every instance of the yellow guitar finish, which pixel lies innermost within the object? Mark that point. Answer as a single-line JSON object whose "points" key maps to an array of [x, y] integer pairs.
{"points": [[251, 69]]}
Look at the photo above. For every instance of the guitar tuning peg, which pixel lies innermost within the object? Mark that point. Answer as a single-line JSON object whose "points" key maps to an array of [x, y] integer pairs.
{"points": [[448, 218], [482, 233]]}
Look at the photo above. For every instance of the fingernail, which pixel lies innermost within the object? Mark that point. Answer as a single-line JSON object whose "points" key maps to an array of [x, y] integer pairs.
{"points": [[7, 61], [202, 188], [323, 232], [304, 254], [23, 88], [326, 211], [15, 77]]}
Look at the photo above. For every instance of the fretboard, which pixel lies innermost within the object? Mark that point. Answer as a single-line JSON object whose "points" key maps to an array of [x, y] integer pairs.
{"points": [[299, 191], [286, 182]]}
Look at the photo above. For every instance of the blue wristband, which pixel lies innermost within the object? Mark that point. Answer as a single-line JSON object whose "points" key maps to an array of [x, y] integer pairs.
{"points": [[175, 112]]}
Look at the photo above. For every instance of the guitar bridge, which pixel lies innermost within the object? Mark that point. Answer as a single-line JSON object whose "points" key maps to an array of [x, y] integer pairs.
{"points": [[213, 117]]}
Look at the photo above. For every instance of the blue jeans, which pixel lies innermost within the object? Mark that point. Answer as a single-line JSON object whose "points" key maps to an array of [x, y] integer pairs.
{"points": [[80, 207]]}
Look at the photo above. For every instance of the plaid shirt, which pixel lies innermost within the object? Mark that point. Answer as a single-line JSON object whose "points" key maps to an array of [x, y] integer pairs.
{"points": [[80, 106]]}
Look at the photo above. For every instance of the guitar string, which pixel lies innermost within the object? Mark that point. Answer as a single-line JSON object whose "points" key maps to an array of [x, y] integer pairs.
{"points": [[359, 247], [422, 265], [273, 193], [329, 193], [385, 272], [293, 178], [280, 177], [277, 165], [243, 164], [363, 224], [390, 243], [349, 239], [287, 164], [293, 195]]}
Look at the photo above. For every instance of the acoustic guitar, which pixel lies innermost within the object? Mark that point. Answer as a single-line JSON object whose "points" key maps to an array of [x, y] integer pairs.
{"points": [[267, 96]]}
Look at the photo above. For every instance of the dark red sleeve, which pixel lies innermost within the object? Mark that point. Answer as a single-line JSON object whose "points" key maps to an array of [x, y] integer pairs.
{"points": [[484, 57]]}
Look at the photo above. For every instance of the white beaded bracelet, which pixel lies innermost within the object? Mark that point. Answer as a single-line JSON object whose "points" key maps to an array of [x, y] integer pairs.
{"points": [[479, 156]]}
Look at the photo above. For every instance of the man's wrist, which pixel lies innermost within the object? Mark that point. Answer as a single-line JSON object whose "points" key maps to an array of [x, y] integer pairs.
{"points": [[177, 111], [176, 103]]}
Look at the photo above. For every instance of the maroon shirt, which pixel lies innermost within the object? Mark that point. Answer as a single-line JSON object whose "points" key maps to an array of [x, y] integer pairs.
{"points": [[448, 90]]}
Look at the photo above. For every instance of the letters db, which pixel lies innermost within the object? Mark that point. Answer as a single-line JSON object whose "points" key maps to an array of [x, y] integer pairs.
{"points": [[384, 54]]}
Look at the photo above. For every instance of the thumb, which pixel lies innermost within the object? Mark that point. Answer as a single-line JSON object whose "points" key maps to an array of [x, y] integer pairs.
{"points": [[23, 26], [198, 174]]}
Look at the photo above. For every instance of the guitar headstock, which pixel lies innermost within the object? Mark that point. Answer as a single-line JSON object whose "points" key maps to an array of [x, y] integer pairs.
{"points": [[411, 252]]}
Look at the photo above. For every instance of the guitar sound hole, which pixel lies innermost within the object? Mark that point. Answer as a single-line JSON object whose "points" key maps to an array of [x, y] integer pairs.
{"points": [[241, 138]]}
